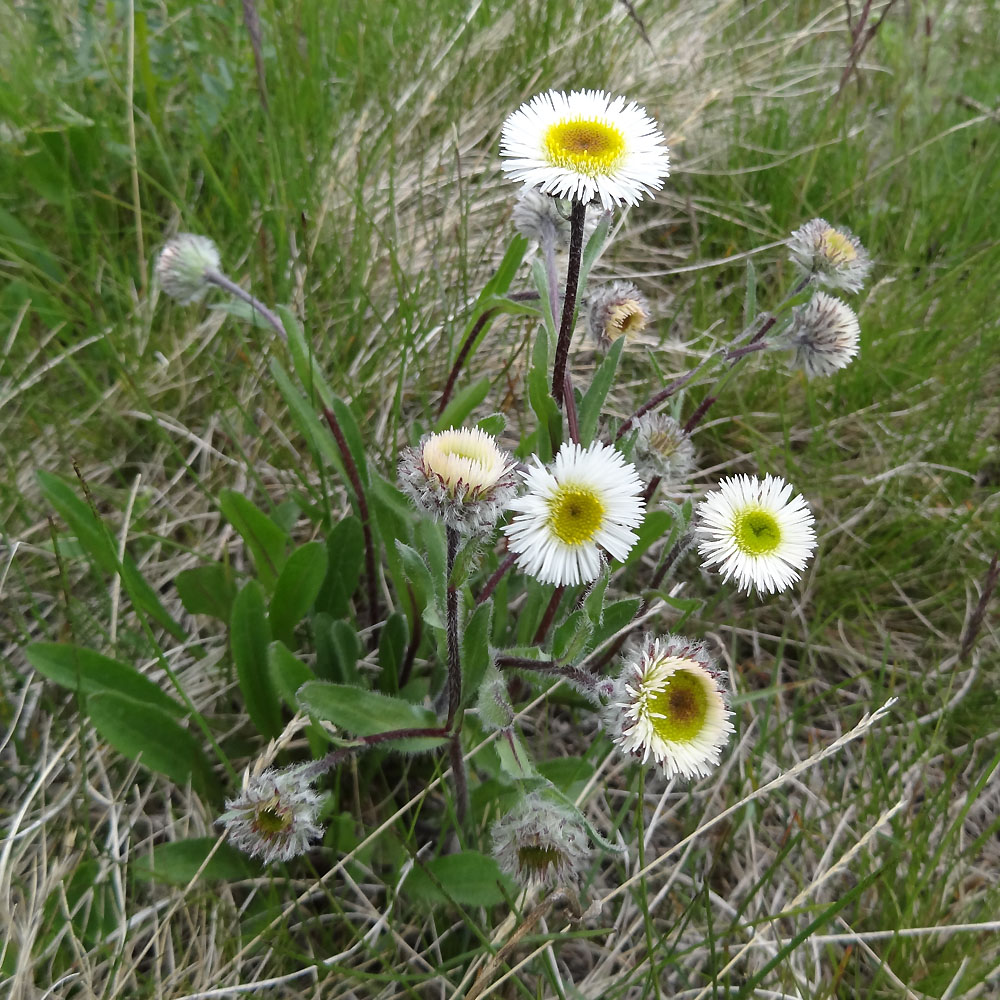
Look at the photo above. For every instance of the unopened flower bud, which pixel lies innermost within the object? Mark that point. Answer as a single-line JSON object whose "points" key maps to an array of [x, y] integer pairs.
{"points": [[184, 264]]}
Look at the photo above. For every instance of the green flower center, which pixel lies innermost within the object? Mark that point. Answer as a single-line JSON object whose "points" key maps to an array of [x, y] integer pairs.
{"points": [[575, 514], [271, 821], [757, 532], [538, 858], [588, 147], [678, 711], [663, 443]]}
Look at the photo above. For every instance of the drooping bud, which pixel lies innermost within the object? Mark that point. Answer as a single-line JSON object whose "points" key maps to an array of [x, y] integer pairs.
{"points": [[184, 264]]}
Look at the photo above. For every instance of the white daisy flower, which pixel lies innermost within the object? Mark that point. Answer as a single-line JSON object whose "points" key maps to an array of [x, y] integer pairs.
{"points": [[825, 335], [834, 255], [183, 266], [667, 704], [275, 816], [755, 532], [540, 843], [461, 476], [589, 500], [584, 146]]}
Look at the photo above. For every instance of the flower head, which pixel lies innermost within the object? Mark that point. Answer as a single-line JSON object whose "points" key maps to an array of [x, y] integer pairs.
{"points": [[540, 843], [835, 256], [662, 448], [825, 335], [538, 217], [590, 499], [617, 309], [184, 264], [667, 704], [274, 817], [755, 532], [584, 146], [461, 476]]}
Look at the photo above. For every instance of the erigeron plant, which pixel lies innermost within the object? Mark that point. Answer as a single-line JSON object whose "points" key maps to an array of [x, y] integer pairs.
{"points": [[423, 578]]}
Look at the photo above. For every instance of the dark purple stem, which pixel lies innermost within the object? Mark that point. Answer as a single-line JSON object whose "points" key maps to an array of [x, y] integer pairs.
{"points": [[571, 674], [454, 657], [672, 556], [976, 618], [461, 781], [550, 613], [577, 217], [355, 478], [699, 414], [497, 576], [647, 494]]}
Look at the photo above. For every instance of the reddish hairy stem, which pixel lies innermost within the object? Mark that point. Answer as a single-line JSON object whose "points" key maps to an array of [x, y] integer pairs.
{"points": [[577, 218]]}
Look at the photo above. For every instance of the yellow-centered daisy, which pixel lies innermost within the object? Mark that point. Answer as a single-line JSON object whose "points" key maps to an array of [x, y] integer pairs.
{"points": [[756, 531], [589, 500], [667, 704], [583, 146]]}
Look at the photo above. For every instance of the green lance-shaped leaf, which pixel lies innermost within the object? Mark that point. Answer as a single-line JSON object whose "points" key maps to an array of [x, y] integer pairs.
{"points": [[265, 539], [368, 713], [207, 590], [83, 670], [462, 405], [345, 551], [94, 538], [593, 400], [297, 588], [249, 638], [143, 731]]}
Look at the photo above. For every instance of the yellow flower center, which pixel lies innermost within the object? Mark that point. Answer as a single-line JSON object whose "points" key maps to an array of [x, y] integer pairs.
{"points": [[757, 532], [589, 147], [625, 319], [575, 514], [663, 443], [837, 248], [678, 711]]}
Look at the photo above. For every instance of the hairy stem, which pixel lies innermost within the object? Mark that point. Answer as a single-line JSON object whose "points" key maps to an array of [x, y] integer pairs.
{"points": [[577, 218], [220, 280]]}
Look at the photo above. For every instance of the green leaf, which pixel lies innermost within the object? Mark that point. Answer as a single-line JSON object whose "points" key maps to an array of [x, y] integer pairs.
{"points": [[346, 648], [655, 525], [366, 713], [571, 636], [207, 590], [616, 617], [83, 670], [476, 657], [416, 572], [392, 650], [514, 757], [564, 772], [507, 270], [593, 401], [288, 673], [249, 638], [352, 436], [145, 732], [265, 540], [345, 550], [544, 406], [593, 603], [468, 879], [303, 412], [462, 405], [494, 424], [297, 588], [93, 535], [178, 862], [593, 249]]}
